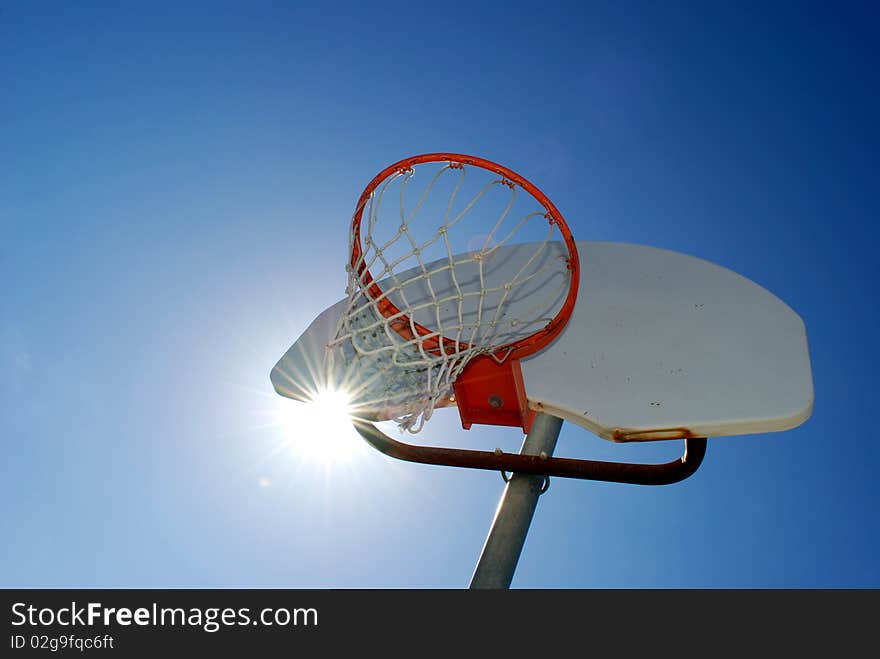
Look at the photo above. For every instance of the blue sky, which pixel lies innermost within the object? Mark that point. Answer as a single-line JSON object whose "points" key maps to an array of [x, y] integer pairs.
{"points": [[175, 186]]}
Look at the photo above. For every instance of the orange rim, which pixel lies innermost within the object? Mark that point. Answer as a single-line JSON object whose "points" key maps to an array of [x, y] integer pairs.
{"points": [[408, 328]]}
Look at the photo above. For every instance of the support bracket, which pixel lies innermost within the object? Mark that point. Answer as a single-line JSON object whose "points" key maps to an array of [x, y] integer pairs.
{"points": [[541, 465]]}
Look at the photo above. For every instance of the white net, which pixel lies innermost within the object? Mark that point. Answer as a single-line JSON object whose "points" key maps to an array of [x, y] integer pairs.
{"points": [[429, 291]]}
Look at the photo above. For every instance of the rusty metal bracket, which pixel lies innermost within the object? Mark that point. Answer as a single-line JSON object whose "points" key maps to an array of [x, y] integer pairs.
{"points": [[541, 465], [544, 486]]}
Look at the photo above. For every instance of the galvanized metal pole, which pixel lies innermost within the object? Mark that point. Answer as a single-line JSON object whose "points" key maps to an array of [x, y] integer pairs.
{"points": [[515, 511]]}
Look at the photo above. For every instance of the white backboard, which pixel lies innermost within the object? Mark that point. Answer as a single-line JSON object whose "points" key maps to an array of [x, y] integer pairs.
{"points": [[660, 345]]}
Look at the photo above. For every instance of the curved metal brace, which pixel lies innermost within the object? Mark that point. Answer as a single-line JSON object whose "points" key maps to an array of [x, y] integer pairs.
{"points": [[612, 472]]}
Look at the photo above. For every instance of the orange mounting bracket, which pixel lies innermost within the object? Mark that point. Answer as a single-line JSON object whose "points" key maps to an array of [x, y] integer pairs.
{"points": [[493, 393]]}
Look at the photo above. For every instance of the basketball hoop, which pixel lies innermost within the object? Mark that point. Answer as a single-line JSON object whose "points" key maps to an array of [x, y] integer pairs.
{"points": [[448, 304], [425, 349]]}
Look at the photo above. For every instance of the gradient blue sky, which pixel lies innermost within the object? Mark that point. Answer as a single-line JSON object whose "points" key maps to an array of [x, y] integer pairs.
{"points": [[175, 185]]}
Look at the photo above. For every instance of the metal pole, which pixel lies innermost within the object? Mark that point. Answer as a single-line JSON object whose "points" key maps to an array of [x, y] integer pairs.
{"points": [[515, 511]]}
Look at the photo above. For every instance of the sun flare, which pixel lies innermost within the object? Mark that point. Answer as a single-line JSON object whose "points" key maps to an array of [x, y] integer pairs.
{"points": [[319, 429]]}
